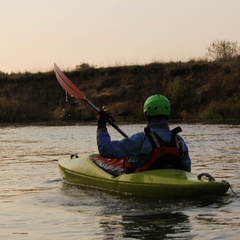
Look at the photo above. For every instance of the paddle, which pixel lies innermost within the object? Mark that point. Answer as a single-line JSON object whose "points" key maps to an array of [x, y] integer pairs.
{"points": [[72, 89]]}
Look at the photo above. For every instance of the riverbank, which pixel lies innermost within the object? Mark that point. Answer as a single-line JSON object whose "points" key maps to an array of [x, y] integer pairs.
{"points": [[199, 91]]}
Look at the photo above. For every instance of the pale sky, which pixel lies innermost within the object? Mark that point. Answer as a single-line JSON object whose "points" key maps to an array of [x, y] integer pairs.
{"points": [[37, 33]]}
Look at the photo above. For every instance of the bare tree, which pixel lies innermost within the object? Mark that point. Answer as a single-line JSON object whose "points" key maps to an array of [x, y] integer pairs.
{"points": [[222, 50]]}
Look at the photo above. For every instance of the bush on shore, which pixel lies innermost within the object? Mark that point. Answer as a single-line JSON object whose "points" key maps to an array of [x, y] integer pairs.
{"points": [[197, 90]]}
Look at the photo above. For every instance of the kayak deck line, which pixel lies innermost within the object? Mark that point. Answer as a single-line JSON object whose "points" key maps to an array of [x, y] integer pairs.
{"points": [[159, 183]]}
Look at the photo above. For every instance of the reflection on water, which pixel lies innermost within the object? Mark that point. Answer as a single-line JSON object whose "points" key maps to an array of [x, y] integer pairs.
{"points": [[154, 226], [36, 204], [127, 217], [157, 226]]}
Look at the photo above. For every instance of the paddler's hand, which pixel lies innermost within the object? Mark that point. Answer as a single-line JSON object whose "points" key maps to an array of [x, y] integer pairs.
{"points": [[103, 118]]}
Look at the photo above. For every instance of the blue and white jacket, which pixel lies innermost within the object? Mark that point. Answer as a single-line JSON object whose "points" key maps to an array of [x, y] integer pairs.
{"points": [[137, 147]]}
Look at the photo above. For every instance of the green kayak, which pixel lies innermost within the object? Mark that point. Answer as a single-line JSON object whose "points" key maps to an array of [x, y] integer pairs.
{"points": [[161, 183]]}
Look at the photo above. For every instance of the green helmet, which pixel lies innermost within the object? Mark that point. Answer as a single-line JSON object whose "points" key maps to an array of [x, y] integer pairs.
{"points": [[157, 105]]}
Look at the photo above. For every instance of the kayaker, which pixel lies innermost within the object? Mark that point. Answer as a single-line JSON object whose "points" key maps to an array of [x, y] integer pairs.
{"points": [[141, 151]]}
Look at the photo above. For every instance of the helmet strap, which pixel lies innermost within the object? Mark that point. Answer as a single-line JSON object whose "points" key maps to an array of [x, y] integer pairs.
{"points": [[149, 119]]}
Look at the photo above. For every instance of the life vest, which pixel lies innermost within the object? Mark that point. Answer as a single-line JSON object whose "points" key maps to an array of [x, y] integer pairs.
{"points": [[164, 154]]}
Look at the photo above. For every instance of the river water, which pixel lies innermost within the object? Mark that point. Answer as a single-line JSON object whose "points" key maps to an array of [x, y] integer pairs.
{"points": [[36, 204]]}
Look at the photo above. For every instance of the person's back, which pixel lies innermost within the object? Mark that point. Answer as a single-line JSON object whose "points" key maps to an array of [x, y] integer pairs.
{"points": [[138, 148]]}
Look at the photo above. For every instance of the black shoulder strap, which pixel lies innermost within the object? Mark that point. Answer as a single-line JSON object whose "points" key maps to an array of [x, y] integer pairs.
{"points": [[176, 130], [156, 141], [152, 137]]}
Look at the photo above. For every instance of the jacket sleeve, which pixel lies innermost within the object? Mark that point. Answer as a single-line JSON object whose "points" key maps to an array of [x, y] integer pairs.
{"points": [[186, 160], [119, 149]]}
